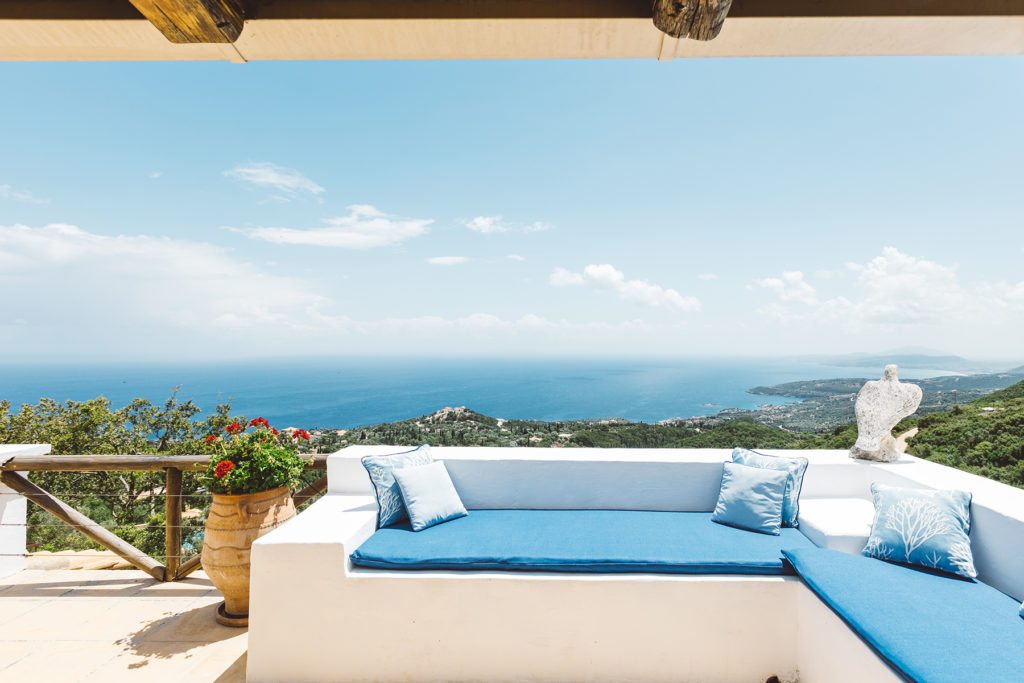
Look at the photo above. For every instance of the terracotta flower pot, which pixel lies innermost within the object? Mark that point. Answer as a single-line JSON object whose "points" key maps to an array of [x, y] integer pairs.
{"points": [[234, 522]]}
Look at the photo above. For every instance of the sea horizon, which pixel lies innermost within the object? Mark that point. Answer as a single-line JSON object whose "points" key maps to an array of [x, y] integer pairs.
{"points": [[354, 391]]}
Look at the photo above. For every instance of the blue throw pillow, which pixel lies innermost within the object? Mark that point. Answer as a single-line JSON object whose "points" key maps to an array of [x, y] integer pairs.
{"points": [[922, 527], [751, 498], [429, 495], [795, 467], [391, 509]]}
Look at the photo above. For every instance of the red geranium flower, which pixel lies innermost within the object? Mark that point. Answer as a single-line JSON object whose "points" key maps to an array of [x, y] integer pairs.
{"points": [[211, 437], [274, 431], [259, 422], [234, 427], [222, 468], [302, 434]]}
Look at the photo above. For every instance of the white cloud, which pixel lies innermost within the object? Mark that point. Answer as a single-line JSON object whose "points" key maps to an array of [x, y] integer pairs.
{"points": [[141, 296], [516, 257], [791, 287], [266, 175], [447, 260], [365, 227], [707, 277], [562, 277], [893, 290], [489, 225], [8, 192], [111, 283], [900, 288], [486, 224], [605, 276], [155, 174]]}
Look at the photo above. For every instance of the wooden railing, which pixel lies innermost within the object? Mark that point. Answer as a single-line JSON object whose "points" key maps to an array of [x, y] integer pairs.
{"points": [[173, 466]]}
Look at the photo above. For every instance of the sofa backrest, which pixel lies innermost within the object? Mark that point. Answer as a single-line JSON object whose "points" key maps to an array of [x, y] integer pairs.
{"points": [[683, 480]]}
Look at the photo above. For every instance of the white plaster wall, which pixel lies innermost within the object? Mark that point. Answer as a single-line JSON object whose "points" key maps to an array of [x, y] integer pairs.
{"points": [[330, 622], [829, 652], [13, 514], [12, 532]]}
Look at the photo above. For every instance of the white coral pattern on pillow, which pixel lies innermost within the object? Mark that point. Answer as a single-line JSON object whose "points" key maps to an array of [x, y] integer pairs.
{"points": [[381, 470], [927, 528]]}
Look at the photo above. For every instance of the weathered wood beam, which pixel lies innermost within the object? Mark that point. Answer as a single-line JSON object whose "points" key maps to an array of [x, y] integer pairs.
{"points": [[195, 21], [193, 563], [311, 491], [66, 513], [172, 523], [694, 19], [104, 463], [122, 463]]}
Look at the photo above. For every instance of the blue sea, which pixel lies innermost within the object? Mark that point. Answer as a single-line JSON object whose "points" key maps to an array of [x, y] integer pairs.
{"points": [[351, 392]]}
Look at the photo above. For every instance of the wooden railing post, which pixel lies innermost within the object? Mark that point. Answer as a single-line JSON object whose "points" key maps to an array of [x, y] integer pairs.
{"points": [[172, 522]]}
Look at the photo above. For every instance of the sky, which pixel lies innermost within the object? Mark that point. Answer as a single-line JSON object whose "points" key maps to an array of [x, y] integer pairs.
{"points": [[754, 207]]}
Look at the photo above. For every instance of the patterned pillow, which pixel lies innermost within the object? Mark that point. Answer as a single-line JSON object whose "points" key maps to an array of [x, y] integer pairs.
{"points": [[391, 509], [795, 467], [922, 527]]}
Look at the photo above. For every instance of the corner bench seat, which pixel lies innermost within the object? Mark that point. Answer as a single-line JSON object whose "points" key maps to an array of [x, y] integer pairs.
{"points": [[928, 627], [611, 541], [837, 523]]}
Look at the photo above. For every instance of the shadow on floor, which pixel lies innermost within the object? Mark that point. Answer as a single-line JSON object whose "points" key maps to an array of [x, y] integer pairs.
{"points": [[178, 634]]}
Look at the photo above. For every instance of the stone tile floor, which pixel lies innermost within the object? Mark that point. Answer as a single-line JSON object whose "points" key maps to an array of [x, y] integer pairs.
{"points": [[101, 625]]}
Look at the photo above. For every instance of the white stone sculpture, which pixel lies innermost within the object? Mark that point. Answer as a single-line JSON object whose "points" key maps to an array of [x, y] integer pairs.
{"points": [[881, 404]]}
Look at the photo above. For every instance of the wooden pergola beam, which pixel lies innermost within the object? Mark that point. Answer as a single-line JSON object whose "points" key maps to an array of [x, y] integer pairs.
{"points": [[101, 30], [694, 19], [195, 21]]}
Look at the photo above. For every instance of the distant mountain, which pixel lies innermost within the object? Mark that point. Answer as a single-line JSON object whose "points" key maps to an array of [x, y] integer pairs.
{"points": [[906, 360]]}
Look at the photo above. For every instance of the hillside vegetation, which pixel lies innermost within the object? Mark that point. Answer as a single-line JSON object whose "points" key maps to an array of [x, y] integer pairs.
{"points": [[464, 427], [985, 436]]}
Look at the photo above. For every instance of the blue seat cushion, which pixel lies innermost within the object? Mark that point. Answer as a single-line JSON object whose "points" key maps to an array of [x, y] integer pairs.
{"points": [[927, 626], [581, 541]]}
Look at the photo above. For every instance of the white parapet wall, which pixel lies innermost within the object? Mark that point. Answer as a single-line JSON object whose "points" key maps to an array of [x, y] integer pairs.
{"points": [[14, 514]]}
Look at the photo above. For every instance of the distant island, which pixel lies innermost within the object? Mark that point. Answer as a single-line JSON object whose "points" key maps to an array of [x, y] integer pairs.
{"points": [[828, 403]]}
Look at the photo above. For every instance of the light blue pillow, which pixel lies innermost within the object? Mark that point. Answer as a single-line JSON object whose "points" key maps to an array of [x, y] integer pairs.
{"points": [[429, 495], [751, 498], [381, 468], [922, 527], [796, 467]]}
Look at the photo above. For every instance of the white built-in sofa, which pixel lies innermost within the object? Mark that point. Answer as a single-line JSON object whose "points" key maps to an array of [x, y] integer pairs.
{"points": [[317, 617]]}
